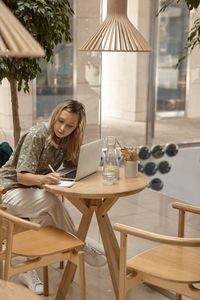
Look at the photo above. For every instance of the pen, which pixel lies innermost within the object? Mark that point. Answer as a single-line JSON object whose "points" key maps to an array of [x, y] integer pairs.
{"points": [[50, 167]]}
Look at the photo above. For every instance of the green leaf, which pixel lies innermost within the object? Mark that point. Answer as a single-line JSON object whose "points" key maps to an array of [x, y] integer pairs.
{"points": [[48, 21]]}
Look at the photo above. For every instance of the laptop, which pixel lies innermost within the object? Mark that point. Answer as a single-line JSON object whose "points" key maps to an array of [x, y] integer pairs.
{"points": [[88, 162]]}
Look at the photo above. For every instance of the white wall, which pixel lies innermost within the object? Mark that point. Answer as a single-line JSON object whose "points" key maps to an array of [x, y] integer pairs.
{"points": [[182, 181]]}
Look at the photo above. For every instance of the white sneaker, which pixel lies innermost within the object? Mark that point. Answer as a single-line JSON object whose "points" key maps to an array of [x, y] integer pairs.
{"points": [[94, 253], [32, 281]]}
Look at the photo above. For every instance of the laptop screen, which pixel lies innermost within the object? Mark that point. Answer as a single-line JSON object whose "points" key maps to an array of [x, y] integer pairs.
{"points": [[88, 162]]}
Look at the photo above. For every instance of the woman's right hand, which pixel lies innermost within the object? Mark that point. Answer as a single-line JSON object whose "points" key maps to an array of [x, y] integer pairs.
{"points": [[52, 178], [30, 179]]}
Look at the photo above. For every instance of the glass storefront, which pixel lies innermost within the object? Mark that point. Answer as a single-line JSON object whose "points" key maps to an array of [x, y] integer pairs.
{"points": [[170, 79], [173, 120], [72, 75], [114, 88], [55, 82]]}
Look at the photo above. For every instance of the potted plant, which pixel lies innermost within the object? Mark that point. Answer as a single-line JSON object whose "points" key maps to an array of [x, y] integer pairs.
{"points": [[130, 156]]}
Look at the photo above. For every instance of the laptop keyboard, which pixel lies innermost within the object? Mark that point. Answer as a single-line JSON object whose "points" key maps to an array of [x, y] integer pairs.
{"points": [[71, 174]]}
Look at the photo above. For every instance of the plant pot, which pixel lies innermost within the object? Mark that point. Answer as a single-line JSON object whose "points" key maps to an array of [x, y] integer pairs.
{"points": [[131, 168]]}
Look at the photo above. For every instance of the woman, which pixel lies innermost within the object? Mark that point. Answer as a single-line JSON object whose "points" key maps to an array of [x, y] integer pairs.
{"points": [[55, 142]]}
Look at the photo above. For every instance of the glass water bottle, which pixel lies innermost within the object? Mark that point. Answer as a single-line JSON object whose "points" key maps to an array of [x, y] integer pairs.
{"points": [[111, 163]]}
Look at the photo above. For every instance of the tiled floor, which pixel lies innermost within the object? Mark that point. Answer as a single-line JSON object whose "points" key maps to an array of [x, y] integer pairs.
{"points": [[148, 210]]}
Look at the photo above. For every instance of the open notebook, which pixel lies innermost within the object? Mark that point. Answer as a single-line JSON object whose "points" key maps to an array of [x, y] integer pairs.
{"points": [[88, 162]]}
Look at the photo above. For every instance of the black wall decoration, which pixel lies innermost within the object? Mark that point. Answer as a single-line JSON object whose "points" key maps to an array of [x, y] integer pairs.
{"points": [[154, 161]]}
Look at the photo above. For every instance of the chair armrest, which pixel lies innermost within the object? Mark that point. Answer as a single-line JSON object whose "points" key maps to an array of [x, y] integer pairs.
{"points": [[3, 206], [186, 207], [19, 221], [2, 190], [158, 238]]}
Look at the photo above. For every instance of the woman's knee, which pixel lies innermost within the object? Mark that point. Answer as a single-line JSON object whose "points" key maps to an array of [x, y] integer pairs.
{"points": [[51, 199]]}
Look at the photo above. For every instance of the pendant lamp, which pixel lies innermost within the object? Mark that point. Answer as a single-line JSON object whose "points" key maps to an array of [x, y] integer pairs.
{"points": [[15, 40], [117, 33]]}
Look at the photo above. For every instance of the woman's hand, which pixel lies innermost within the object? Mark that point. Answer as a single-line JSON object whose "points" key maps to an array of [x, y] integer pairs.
{"points": [[30, 179], [52, 178]]}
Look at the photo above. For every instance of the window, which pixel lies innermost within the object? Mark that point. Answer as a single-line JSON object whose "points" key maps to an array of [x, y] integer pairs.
{"points": [[55, 82], [171, 80]]}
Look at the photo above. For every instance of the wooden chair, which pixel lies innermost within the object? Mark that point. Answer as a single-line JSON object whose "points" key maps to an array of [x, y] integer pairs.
{"points": [[45, 270], [42, 245], [173, 265], [2, 191]]}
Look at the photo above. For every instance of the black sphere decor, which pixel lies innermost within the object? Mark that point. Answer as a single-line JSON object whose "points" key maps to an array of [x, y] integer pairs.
{"points": [[150, 168], [157, 151], [171, 149], [156, 184], [144, 152], [164, 167]]}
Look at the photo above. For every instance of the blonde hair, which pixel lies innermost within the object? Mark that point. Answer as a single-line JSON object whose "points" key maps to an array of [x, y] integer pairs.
{"points": [[71, 143]]}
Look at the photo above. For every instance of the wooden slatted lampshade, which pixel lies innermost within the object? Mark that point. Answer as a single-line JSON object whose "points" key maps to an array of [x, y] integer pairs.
{"points": [[15, 40], [117, 33]]}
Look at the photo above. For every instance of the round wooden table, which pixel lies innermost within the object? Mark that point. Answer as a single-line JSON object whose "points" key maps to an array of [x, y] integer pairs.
{"points": [[90, 195], [12, 291]]}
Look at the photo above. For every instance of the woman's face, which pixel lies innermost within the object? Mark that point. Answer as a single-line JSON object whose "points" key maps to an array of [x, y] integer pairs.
{"points": [[65, 124]]}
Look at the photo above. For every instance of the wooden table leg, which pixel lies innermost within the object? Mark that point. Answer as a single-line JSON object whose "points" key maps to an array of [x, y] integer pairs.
{"points": [[111, 247], [70, 268]]}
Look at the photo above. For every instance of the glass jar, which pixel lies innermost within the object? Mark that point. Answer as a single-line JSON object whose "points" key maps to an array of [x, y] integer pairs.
{"points": [[111, 163]]}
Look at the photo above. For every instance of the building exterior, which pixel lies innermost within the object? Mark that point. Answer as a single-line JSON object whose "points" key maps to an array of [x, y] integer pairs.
{"points": [[130, 89]]}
